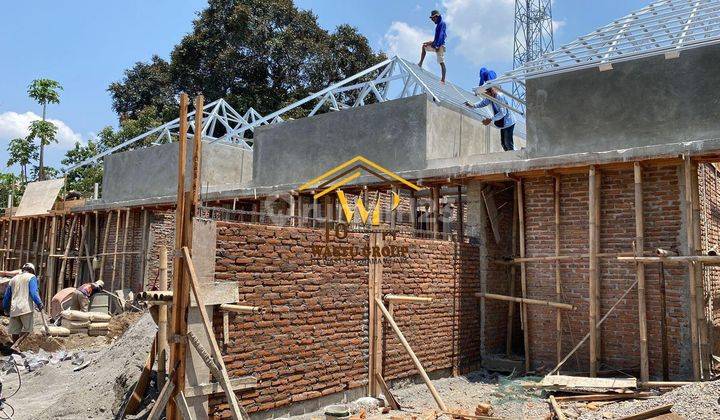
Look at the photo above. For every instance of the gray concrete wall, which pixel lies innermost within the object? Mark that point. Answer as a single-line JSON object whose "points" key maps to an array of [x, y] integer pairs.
{"points": [[643, 102], [391, 134], [152, 171]]}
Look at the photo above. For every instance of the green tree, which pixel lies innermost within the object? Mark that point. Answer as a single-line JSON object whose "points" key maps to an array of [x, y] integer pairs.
{"points": [[83, 179], [21, 151], [254, 53], [46, 132], [44, 92], [10, 184]]}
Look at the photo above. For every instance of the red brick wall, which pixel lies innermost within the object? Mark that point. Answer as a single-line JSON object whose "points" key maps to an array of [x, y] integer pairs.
{"points": [[619, 333], [312, 341]]}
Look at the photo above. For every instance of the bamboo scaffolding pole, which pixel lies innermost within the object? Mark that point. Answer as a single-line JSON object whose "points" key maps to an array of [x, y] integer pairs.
{"points": [[528, 301], [553, 258], [663, 325], [29, 234], [523, 273], [411, 353], [511, 280], [593, 269], [38, 238], [108, 222], [407, 299], [115, 250], [83, 232], [21, 230], [690, 233], [677, 260], [558, 286], [144, 247], [375, 321], [96, 237], [51, 262], [598, 291], [704, 350], [126, 227], [640, 273], [43, 254], [63, 264], [9, 245], [584, 339]]}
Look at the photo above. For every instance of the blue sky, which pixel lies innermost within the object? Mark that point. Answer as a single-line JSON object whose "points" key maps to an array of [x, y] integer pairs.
{"points": [[87, 44]]}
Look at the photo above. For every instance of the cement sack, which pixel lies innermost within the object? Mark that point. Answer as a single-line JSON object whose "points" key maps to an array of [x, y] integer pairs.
{"points": [[74, 315], [59, 331], [99, 317], [94, 333], [95, 326], [74, 324]]}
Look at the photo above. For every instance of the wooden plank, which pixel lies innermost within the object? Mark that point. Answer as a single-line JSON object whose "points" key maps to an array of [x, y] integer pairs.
{"points": [[392, 402], [558, 284], [237, 384], [180, 285], [182, 406], [648, 414], [606, 397], [162, 347], [133, 404], [556, 408], [690, 233], [161, 401], [226, 328], [523, 272], [63, 264], [593, 269], [236, 410], [564, 381], [83, 232], [640, 273], [412, 355], [525, 300], [197, 151]]}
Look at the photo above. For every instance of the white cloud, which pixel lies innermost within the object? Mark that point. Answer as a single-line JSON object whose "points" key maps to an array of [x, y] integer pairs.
{"points": [[13, 125], [480, 30], [557, 25], [404, 40]]}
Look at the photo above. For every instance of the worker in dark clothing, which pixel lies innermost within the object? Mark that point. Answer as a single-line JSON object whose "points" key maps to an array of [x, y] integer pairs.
{"points": [[502, 115], [84, 292], [437, 45]]}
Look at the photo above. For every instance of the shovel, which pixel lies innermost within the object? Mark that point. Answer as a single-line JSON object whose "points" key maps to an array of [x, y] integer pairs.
{"points": [[45, 324]]}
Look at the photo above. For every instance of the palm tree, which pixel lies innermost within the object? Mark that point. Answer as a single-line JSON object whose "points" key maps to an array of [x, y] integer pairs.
{"points": [[21, 151], [44, 91], [46, 132]]}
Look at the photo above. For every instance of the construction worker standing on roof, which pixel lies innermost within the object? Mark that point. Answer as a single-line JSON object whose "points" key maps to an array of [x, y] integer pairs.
{"points": [[20, 294], [437, 45], [502, 115]]}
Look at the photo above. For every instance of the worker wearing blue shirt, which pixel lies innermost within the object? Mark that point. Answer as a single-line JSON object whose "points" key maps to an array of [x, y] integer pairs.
{"points": [[502, 115], [437, 45], [20, 294]]}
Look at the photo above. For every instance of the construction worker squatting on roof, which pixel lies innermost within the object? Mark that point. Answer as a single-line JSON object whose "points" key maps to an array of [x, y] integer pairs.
{"points": [[20, 294], [502, 115], [437, 45], [83, 293]]}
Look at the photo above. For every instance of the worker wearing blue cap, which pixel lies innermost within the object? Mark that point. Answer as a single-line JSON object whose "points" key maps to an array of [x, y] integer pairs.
{"points": [[437, 45], [502, 115]]}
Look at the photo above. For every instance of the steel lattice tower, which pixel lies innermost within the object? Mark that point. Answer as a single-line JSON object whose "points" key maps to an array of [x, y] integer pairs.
{"points": [[533, 35]]}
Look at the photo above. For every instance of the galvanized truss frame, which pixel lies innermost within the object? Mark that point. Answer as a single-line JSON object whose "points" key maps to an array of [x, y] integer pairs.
{"points": [[665, 27], [393, 78]]}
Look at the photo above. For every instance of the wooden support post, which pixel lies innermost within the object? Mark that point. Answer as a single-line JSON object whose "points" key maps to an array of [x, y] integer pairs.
{"points": [[10, 245], [640, 273], [690, 234], [511, 279], [393, 212], [162, 342], [702, 322], [83, 232], [558, 286], [413, 210], [108, 221], [181, 298], [375, 270], [124, 248], [593, 269], [293, 213], [49, 286], [461, 215], [412, 355], [235, 409], [435, 220], [144, 247], [115, 251], [663, 326], [523, 272], [63, 263]]}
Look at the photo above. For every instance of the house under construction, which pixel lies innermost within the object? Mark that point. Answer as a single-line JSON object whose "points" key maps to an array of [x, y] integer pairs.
{"points": [[592, 247]]}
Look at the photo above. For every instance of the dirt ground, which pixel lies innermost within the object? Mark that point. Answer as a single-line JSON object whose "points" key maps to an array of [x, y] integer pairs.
{"points": [[55, 391]]}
